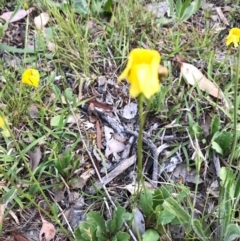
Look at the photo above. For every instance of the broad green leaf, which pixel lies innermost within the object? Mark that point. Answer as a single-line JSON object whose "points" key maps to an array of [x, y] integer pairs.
{"points": [[96, 219], [68, 94], [226, 175], [146, 202], [108, 6], [184, 193], [226, 212], [150, 235], [16, 50], [121, 236], [80, 6], [215, 125], [224, 140], [165, 217], [217, 148], [87, 232], [184, 8], [161, 194], [175, 208], [198, 229], [232, 233], [116, 223], [56, 121]]}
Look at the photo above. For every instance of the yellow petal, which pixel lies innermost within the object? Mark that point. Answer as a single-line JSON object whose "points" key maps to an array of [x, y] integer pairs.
{"points": [[144, 80], [31, 77], [2, 123], [142, 72], [233, 37]]}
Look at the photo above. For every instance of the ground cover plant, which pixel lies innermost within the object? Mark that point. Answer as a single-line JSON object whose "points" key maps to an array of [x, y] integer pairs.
{"points": [[119, 120]]}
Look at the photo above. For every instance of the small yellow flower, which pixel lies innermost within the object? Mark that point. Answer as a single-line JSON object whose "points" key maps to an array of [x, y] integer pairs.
{"points": [[142, 72], [233, 37], [31, 77], [2, 123]]}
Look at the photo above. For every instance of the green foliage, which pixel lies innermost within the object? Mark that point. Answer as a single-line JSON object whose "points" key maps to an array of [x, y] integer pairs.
{"points": [[221, 140], [85, 7], [215, 125], [197, 227], [95, 228], [150, 235], [230, 194], [183, 10], [157, 101], [161, 208], [66, 163], [232, 233]]}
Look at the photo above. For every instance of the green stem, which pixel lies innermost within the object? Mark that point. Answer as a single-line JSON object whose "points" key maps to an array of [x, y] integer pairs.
{"points": [[235, 138], [140, 138]]}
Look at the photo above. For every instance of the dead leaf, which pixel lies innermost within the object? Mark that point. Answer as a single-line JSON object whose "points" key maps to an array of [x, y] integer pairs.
{"points": [[100, 105], [130, 111], [194, 76], [134, 187], [18, 16], [33, 111], [73, 119], [51, 47], [138, 223], [112, 145], [35, 158], [181, 171], [99, 135], [2, 209], [81, 181], [47, 232], [41, 20], [18, 237]]}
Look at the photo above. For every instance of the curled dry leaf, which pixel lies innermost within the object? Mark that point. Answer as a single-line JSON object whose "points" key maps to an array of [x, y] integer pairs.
{"points": [[130, 111], [195, 77], [41, 20], [47, 232], [112, 145], [18, 237], [18, 16]]}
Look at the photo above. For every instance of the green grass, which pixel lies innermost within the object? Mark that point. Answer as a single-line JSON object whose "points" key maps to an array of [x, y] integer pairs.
{"points": [[92, 45]]}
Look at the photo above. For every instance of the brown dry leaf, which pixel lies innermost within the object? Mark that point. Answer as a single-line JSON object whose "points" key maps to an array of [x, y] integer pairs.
{"points": [[35, 158], [18, 237], [99, 135], [194, 76], [18, 16], [47, 232], [82, 180], [41, 20]]}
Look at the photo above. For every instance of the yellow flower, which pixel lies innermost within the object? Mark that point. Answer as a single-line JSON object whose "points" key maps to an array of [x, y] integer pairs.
{"points": [[2, 123], [142, 72], [233, 37], [31, 77]]}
